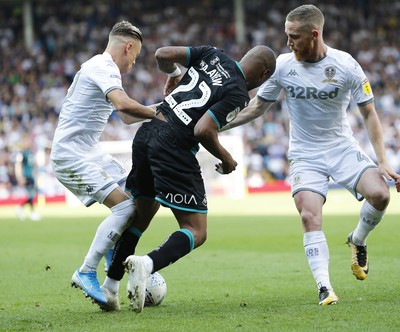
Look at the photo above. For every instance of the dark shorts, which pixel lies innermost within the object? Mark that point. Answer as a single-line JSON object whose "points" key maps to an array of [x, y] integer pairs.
{"points": [[166, 169], [30, 187]]}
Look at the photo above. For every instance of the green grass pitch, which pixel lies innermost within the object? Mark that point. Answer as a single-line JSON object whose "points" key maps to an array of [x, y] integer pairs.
{"points": [[251, 274]]}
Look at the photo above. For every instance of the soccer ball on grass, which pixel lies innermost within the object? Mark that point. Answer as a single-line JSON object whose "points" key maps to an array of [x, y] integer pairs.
{"points": [[156, 290]]}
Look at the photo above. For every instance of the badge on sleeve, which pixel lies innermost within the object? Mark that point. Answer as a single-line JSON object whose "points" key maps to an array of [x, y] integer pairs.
{"points": [[366, 87]]}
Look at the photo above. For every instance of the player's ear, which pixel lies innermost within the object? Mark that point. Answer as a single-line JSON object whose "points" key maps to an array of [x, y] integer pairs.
{"points": [[267, 73], [128, 47]]}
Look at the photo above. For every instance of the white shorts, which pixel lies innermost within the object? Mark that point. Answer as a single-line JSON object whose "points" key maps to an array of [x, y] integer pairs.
{"points": [[344, 165], [91, 179]]}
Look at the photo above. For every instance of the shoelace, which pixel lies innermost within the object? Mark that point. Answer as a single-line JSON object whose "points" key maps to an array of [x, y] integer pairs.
{"points": [[361, 255], [323, 293]]}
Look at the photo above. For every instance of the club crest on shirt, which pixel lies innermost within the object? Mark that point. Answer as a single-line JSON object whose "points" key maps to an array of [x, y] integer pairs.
{"points": [[215, 61], [296, 180], [330, 73]]}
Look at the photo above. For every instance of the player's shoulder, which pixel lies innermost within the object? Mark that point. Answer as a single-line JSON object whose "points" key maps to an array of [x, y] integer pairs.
{"points": [[100, 60], [284, 59], [339, 56], [205, 48], [283, 62], [205, 51]]}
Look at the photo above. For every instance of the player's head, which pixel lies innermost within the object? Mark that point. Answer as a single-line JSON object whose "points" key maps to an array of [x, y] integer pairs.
{"points": [[304, 27], [258, 65], [125, 43]]}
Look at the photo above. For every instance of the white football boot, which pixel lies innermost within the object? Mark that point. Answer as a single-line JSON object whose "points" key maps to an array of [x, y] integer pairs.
{"points": [[137, 280]]}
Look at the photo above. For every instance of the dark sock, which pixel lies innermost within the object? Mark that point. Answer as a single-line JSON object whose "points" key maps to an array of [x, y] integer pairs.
{"points": [[179, 244], [124, 247]]}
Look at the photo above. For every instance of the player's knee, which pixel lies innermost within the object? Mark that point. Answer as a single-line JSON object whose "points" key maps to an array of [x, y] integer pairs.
{"points": [[200, 238], [380, 198], [310, 220]]}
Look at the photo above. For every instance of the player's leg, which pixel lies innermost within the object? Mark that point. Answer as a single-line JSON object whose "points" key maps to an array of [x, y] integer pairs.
{"points": [[97, 179], [108, 232], [374, 188], [309, 183], [110, 229], [178, 184], [140, 184], [192, 233], [32, 192], [309, 204], [125, 246], [358, 174], [28, 201]]}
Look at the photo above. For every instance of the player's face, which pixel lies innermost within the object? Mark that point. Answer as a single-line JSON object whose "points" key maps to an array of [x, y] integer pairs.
{"points": [[300, 41], [133, 51]]}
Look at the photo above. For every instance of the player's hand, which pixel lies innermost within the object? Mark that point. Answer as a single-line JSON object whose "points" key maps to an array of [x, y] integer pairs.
{"points": [[171, 84], [226, 167], [398, 185], [390, 174]]}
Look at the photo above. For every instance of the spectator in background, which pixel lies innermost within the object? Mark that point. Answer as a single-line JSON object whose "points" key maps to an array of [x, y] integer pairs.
{"points": [[26, 175], [40, 73]]}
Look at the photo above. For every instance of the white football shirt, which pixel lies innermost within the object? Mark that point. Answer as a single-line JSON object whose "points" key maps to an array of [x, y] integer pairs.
{"points": [[86, 109], [317, 96]]}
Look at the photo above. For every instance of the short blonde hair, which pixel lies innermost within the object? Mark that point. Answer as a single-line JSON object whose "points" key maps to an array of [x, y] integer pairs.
{"points": [[126, 29], [309, 16]]}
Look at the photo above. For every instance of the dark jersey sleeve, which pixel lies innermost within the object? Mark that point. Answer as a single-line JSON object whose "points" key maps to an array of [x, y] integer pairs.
{"points": [[225, 110], [196, 53]]}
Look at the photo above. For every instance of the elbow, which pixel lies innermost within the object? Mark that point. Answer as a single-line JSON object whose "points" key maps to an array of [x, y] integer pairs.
{"points": [[201, 133], [162, 54]]}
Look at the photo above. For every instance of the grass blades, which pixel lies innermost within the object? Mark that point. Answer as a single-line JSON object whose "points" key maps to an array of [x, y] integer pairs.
{"points": [[251, 275]]}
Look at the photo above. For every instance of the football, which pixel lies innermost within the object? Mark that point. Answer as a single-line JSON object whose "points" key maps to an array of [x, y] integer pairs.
{"points": [[156, 290]]}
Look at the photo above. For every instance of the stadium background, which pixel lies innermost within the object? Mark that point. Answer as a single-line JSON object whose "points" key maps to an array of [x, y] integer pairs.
{"points": [[38, 64]]}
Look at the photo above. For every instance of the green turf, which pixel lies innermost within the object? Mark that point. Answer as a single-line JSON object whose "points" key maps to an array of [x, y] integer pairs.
{"points": [[251, 275]]}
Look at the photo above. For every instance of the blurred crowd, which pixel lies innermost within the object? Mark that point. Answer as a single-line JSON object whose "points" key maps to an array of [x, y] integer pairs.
{"points": [[34, 80]]}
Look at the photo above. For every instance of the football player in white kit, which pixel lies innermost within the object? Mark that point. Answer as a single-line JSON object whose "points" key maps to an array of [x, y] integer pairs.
{"points": [[77, 158], [318, 82]]}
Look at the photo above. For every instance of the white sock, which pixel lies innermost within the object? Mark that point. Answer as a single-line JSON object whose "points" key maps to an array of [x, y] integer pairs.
{"points": [[317, 253], [148, 264], [108, 232], [369, 218], [111, 284]]}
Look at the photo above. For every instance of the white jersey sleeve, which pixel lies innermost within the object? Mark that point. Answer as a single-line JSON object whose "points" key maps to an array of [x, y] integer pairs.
{"points": [[317, 97], [86, 109]]}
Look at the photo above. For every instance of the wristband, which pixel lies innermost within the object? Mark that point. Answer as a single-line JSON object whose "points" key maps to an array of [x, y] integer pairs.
{"points": [[175, 73]]}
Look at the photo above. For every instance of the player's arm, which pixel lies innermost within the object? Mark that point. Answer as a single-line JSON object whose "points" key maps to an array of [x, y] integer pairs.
{"points": [[206, 131], [256, 108], [129, 110], [375, 135], [167, 59], [129, 119]]}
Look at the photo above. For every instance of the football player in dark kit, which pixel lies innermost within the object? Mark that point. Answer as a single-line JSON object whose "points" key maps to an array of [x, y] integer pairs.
{"points": [[165, 170]]}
